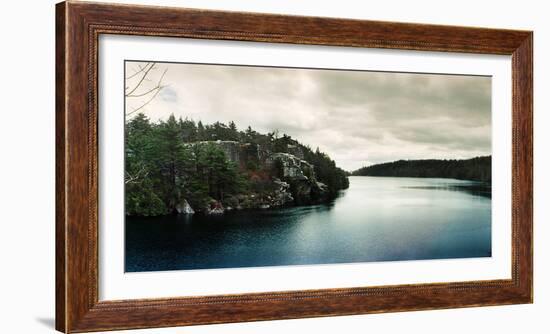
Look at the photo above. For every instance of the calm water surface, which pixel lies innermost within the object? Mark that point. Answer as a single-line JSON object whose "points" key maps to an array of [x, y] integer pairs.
{"points": [[376, 219]]}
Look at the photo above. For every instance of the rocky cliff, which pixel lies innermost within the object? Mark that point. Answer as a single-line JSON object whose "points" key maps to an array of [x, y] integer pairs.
{"points": [[243, 155], [277, 179], [300, 174]]}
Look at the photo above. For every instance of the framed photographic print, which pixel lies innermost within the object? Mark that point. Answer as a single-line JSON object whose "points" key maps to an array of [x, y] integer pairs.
{"points": [[222, 166]]}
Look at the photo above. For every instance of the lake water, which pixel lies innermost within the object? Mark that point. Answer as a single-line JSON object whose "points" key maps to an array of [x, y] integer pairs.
{"points": [[376, 219]]}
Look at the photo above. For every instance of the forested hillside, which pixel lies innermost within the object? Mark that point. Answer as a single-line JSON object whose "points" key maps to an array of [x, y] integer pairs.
{"points": [[182, 166], [476, 169]]}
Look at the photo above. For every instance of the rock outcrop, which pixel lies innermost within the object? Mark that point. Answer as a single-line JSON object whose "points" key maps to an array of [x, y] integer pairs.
{"points": [[242, 154], [300, 175], [282, 194], [292, 166], [285, 179], [296, 151]]}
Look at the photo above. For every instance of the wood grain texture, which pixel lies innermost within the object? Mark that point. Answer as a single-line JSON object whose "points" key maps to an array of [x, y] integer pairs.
{"points": [[78, 28], [60, 99]]}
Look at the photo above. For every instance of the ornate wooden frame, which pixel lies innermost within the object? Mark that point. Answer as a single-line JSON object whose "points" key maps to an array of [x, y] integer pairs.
{"points": [[78, 25]]}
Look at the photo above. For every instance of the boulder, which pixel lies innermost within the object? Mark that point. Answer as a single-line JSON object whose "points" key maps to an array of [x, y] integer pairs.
{"points": [[184, 208], [215, 208]]}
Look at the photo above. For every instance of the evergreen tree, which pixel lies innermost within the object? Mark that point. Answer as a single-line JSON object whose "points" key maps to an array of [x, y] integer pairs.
{"points": [[188, 130], [233, 133], [201, 135], [170, 160], [249, 135], [141, 198]]}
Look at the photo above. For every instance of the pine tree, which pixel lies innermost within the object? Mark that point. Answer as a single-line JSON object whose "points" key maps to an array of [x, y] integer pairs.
{"points": [[188, 130], [170, 161], [233, 132], [200, 132]]}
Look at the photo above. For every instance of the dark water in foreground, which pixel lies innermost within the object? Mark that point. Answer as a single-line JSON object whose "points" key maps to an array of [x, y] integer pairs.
{"points": [[376, 219]]}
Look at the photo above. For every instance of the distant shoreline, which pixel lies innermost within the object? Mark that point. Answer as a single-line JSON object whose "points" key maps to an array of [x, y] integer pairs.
{"points": [[423, 177], [474, 169]]}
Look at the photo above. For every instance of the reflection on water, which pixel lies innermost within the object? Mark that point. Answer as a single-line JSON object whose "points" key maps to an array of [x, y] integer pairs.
{"points": [[473, 188], [376, 219]]}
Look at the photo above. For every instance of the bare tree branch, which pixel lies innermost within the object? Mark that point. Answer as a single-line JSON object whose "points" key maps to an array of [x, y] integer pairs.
{"points": [[146, 93], [152, 92], [146, 103], [141, 69], [158, 86], [141, 80], [140, 174]]}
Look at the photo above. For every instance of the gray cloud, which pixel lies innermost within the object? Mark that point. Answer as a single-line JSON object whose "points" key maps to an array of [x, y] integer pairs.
{"points": [[168, 94], [357, 117]]}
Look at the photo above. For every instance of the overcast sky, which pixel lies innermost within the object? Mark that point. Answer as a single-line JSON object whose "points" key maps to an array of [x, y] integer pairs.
{"points": [[359, 118]]}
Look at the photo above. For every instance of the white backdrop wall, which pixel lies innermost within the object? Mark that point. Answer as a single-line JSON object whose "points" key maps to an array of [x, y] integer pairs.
{"points": [[27, 165]]}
